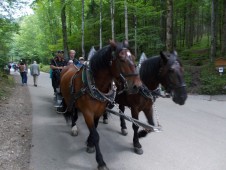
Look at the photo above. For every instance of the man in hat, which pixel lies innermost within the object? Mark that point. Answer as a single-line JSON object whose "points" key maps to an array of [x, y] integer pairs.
{"points": [[57, 65]]}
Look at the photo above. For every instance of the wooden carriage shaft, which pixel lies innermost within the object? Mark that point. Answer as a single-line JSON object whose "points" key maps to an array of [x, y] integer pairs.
{"points": [[142, 124]]}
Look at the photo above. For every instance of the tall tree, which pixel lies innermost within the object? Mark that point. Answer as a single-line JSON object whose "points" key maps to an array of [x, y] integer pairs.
{"points": [[213, 30], [100, 24], [135, 31], [112, 19], [126, 20], [223, 47], [169, 25], [64, 28], [83, 20]]}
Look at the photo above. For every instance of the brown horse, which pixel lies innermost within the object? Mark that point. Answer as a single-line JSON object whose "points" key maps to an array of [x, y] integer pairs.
{"points": [[91, 88], [165, 69]]}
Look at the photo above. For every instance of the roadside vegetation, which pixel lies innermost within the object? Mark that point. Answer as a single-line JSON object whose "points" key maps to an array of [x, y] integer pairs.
{"points": [[7, 84], [201, 75], [198, 33]]}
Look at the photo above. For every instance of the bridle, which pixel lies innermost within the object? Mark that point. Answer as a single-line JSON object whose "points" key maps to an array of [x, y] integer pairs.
{"points": [[170, 86], [122, 76]]}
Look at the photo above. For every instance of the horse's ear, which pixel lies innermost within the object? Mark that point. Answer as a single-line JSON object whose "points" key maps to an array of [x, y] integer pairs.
{"points": [[113, 44], [126, 43], [164, 57], [175, 52]]}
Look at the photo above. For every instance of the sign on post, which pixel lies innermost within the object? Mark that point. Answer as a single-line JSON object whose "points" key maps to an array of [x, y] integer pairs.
{"points": [[221, 70]]}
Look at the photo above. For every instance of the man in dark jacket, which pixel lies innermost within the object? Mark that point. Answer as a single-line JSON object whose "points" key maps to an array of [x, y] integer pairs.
{"points": [[57, 64]]}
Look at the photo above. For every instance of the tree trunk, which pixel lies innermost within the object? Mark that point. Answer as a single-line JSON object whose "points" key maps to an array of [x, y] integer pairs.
{"points": [[184, 27], [64, 28], [83, 51], [169, 26], [112, 19], [126, 21], [100, 24], [191, 24], [213, 30], [135, 31], [69, 21], [223, 47]]}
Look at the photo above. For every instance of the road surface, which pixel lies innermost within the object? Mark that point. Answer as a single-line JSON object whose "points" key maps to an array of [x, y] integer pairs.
{"points": [[193, 137]]}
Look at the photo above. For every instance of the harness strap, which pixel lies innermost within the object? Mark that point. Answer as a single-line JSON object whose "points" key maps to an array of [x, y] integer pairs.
{"points": [[72, 91], [95, 93], [90, 88], [144, 91]]}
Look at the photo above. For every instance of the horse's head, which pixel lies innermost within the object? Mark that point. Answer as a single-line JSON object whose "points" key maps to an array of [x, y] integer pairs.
{"points": [[123, 67], [171, 77]]}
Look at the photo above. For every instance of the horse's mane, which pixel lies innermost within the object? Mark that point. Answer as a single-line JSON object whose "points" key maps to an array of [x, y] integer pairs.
{"points": [[101, 59], [150, 69]]}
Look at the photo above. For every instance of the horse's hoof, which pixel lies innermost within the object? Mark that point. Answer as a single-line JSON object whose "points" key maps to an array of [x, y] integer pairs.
{"points": [[103, 167], [74, 131], [105, 121], [90, 149], [124, 132], [138, 151]]}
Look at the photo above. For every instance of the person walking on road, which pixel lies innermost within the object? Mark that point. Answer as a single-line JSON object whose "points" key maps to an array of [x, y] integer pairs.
{"points": [[35, 72], [23, 72]]}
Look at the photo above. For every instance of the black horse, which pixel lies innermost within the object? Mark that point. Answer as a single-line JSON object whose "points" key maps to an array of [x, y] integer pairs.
{"points": [[166, 70]]}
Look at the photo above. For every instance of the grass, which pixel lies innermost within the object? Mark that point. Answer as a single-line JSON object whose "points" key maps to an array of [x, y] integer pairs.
{"points": [[6, 85]]}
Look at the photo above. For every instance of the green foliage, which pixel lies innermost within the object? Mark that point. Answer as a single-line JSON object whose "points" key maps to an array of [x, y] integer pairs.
{"points": [[44, 68], [188, 78], [211, 82], [6, 83], [39, 36], [7, 29]]}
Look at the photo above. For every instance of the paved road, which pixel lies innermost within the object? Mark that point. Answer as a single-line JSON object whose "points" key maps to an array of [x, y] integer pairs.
{"points": [[194, 137]]}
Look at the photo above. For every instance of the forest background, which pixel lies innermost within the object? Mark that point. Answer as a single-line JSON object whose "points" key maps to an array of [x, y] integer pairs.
{"points": [[195, 28]]}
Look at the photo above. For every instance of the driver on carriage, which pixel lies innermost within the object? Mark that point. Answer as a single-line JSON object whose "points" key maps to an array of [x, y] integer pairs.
{"points": [[57, 65]]}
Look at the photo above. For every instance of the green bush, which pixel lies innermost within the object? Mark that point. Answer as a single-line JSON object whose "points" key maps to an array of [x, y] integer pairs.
{"points": [[211, 82], [187, 78], [44, 68], [6, 84]]}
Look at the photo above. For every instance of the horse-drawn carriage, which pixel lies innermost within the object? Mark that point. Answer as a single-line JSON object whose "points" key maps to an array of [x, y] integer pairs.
{"points": [[90, 89]]}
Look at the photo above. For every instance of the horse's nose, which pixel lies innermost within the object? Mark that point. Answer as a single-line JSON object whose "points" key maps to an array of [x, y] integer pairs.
{"points": [[135, 88], [137, 85]]}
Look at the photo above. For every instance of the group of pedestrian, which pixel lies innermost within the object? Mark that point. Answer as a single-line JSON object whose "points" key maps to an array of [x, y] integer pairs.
{"points": [[56, 66], [34, 71]]}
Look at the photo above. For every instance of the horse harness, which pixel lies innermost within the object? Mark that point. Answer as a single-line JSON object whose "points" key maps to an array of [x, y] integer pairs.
{"points": [[89, 87]]}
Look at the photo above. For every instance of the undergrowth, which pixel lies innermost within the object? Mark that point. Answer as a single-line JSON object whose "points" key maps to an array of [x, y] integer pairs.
{"points": [[211, 82], [6, 84]]}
